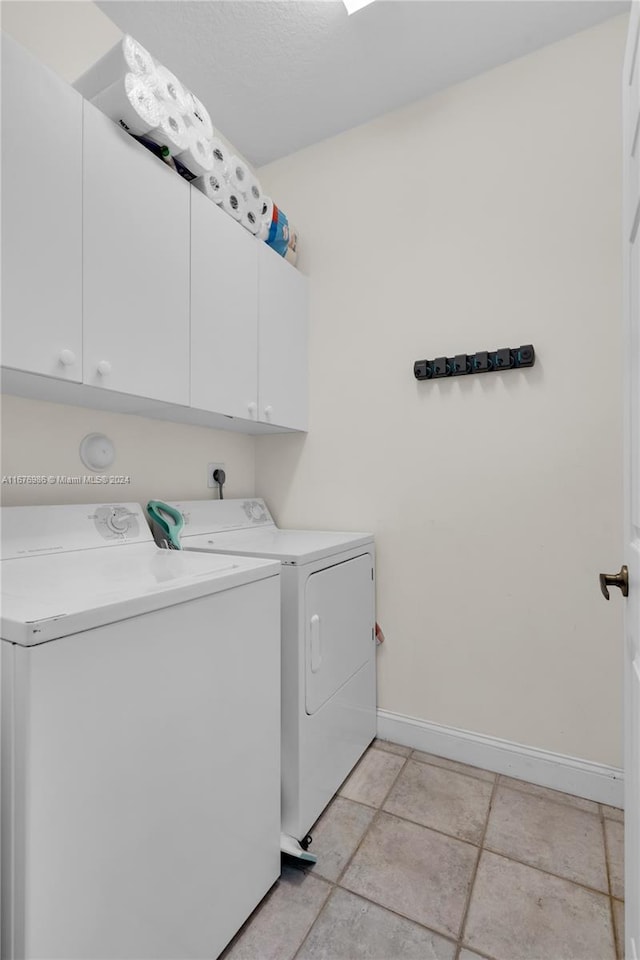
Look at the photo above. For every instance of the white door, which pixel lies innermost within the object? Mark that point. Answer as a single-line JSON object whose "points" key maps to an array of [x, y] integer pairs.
{"points": [[136, 267], [282, 342], [339, 605], [224, 312], [631, 220], [41, 218]]}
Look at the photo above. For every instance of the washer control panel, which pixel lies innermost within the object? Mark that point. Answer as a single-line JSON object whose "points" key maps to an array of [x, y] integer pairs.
{"points": [[116, 522]]}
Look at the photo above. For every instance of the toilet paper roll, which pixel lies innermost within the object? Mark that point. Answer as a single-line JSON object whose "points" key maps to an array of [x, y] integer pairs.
{"points": [[197, 157], [239, 174], [267, 210], [170, 91], [131, 103], [213, 186], [171, 132], [266, 218], [234, 204], [221, 156], [253, 193], [250, 219], [202, 116], [190, 100], [127, 56], [189, 113]]}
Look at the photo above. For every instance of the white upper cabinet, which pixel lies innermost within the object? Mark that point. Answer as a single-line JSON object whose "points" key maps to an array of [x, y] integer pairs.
{"points": [[41, 218], [282, 342], [118, 274], [136, 267], [224, 312]]}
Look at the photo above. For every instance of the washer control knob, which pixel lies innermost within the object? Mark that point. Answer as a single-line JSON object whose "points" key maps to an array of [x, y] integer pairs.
{"points": [[118, 522], [104, 368], [67, 358]]}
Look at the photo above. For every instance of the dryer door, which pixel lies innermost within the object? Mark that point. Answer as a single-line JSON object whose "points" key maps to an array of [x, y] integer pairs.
{"points": [[339, 609]]}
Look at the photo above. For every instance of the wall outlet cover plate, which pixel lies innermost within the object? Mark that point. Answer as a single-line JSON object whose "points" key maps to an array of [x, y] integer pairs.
{"points": [[210, 470]]}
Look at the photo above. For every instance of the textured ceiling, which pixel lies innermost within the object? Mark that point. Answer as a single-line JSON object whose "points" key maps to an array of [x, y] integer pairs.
{"points": [[277, 76]]}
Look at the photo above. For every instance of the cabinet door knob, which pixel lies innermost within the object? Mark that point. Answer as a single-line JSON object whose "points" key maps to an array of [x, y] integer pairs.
{"points": [[268, 411], [67, 358], [252, 407], [104, 368]]}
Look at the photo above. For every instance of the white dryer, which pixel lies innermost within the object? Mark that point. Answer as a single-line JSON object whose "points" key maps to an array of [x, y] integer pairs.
{"points": [[328, 646], [140, 738]]}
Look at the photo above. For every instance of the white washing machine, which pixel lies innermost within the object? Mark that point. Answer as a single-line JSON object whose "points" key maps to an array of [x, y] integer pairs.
{"points": [[328, 646], [140, 738]]}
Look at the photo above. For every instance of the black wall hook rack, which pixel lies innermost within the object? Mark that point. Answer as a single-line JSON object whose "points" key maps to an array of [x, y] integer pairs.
{"points": [[484, 361]]}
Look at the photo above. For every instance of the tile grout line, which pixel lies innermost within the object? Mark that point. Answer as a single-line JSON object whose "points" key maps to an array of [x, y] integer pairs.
{"points": [[425, 826], [619, 952], [378, 811], [480, 847], [374, 903], [335, 883], [502, 779], [440, 766], [374, 820], [471, 843], [325, 902], [547, 873], [543, 796], [465, 912], [509, 786]]}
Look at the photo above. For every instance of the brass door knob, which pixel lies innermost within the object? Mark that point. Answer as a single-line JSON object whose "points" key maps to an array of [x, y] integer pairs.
{"points": [[620, 580]]}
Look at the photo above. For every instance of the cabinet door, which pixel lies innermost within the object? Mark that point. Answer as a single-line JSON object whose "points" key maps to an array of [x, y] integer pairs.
{"points": [[282, 342], [136, 267], [41, 218], [224, 312]]}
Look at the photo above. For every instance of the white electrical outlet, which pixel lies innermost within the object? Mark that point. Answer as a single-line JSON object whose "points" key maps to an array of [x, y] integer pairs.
{"points": [[210, 468]]}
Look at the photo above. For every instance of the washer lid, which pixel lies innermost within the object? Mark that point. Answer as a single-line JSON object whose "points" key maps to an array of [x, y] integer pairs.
{"points": [[288, 546], [52, 596]]}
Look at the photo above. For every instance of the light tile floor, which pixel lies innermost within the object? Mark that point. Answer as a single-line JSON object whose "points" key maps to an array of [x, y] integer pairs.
{"points": [[421, 858]]}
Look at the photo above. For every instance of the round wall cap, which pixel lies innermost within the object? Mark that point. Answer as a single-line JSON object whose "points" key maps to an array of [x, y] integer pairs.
{"points": [[97, 451]]}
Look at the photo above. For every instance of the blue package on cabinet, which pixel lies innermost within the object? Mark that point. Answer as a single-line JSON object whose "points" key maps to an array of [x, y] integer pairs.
{"points": [[278, 238]]}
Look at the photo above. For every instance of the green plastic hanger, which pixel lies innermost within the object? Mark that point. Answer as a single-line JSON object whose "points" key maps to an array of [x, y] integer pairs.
{"points": [[169, 520]]}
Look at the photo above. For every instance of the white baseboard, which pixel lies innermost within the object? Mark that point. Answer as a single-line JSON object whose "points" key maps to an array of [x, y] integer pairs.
{"points": [[582, 778]]}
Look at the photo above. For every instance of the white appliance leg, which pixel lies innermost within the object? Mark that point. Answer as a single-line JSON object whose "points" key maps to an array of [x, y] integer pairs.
{"points": [[293, 848]]}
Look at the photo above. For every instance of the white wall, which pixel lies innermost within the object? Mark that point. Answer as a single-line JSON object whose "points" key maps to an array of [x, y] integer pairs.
{"points": [[164, 460], [67, 35], [485, 216]]}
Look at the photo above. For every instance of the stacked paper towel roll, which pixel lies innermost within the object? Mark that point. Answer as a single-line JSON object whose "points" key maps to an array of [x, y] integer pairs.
{"points": [[131, 102], [128, 56], [149, 101]]}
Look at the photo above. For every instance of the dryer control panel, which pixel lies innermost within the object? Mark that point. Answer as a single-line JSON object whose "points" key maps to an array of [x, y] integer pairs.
{"points": [[256, 511], [221, 516]]}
